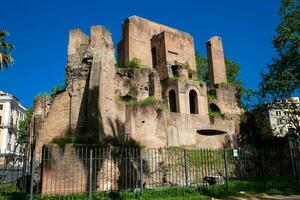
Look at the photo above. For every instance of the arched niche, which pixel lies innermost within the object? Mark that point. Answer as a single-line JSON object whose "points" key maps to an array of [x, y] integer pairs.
{"points": [[214, 108], [172, 101], [193, 102]]}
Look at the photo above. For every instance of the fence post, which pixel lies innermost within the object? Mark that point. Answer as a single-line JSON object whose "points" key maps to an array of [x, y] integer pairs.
{"points": [[292, 154], [263, 169], [186, 168], [90, 174], [141, 171], [32, 168], [226, 169]]}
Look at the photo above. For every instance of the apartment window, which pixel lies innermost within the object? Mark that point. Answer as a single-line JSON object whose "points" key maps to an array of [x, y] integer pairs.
{"points": [[0, 120], [1, 106], [278, 112]]}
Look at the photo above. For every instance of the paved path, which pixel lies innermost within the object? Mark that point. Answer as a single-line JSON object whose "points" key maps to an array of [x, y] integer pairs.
{"points": [[264, 197]]}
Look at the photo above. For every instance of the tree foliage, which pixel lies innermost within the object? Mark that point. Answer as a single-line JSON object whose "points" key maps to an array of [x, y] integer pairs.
{"points": [[232, 72], [5, 49], [283, 76], [24, 125]]}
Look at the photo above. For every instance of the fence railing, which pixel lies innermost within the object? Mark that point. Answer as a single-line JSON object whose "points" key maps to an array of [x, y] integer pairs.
{"points": [[74, 169], [88, 169]]}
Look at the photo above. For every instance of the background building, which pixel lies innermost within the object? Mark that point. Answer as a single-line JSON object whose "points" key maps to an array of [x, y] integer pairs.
{"points": [[11, 114], [279, 118]]}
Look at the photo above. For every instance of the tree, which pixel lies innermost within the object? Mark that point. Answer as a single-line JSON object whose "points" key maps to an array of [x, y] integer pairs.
{"points": [[24, 126], [5, 49], [283, 76], [232, 72]]}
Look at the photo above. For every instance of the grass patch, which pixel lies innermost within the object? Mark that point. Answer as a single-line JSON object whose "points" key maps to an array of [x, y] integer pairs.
{"points": [[167, 194]]}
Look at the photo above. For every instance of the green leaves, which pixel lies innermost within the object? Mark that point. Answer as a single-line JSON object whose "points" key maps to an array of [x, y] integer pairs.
{"points": [[283, 77], [5, 48], [232, 72], [24, 126]]}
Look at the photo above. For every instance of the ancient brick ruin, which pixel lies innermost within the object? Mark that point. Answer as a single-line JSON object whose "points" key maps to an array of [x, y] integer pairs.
{"points": [[98, 94]]}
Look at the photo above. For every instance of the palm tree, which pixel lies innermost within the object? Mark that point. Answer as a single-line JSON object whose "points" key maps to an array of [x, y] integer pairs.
{"points": [[5, 48]]}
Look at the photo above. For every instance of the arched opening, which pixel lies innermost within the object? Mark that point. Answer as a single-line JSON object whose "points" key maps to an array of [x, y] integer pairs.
{"points": [[172, 101], [214, 108], [193, 102]]}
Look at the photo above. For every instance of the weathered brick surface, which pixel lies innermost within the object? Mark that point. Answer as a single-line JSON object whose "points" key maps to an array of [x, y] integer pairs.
{"points": [[64, 169], [56, 123], [91, 103], [216, 62]]}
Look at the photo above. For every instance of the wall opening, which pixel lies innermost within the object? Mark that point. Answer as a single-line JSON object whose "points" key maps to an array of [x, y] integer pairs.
{"points": [[172, 101], [175, 71], [193, 102], [214, 108], [154, 56]]}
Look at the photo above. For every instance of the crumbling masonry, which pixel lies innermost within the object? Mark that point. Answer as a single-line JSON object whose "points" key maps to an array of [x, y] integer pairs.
{"points": [[98, 98]]}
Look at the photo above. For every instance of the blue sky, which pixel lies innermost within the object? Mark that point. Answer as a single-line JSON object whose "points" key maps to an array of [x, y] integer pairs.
{"points": [[39, 31]]}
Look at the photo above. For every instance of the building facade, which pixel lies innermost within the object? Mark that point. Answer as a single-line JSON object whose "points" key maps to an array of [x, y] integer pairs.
{"points": [[279, 118], [12, 112]]}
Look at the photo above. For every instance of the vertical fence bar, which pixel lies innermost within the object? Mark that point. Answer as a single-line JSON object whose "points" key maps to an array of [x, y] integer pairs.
{"points": [[141, 171], [226, 169], [90, 174], [32, 176], [186, 168], [263, 169], [291, 148]]}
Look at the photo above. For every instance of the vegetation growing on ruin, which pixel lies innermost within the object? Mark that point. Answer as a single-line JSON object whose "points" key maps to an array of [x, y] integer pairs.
{"points": [[213, 115], [59, 88], [133, 63], [211, 96], [41, 94], [149, 101]]}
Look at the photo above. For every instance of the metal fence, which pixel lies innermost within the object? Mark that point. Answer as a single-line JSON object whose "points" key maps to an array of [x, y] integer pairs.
{"points": [[69, 169], [89, 169]]}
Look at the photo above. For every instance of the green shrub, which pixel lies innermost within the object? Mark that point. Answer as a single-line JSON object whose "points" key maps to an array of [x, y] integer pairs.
{"points": [[133, 63], [58, 89], [211, 96], [149, 101], [212, 114]]}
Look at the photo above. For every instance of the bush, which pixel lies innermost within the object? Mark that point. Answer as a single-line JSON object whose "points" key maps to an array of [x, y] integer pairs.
{"points": [[133, 63], [216, 115], [58, 89], [149, 101]]}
